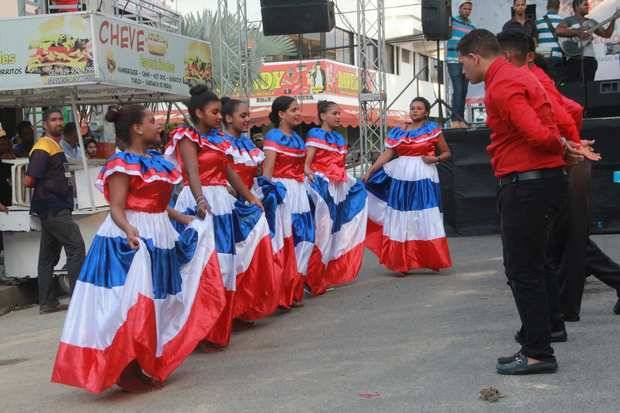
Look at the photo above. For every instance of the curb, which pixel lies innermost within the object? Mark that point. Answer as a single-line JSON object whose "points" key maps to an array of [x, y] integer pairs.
{"points": [[15, 296]]}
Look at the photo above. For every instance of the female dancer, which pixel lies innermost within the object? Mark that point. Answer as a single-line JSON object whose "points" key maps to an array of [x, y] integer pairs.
{"points": [[340, 208], [146, 296], [284, 163], [241, 231], [405, 225], [247, 162]]}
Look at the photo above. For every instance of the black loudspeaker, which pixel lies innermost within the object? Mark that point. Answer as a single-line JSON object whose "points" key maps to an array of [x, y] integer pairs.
{"points": [[575, 91], [437, 19], [603, 98], [295, 17]]}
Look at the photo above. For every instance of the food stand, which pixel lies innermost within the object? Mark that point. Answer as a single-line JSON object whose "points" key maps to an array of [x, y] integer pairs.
{"points": [[75, 59]]}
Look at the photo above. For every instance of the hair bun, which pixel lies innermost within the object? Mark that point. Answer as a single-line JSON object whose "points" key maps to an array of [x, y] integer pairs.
{"points": [[113, 114], [198, 90], [225, 100]]}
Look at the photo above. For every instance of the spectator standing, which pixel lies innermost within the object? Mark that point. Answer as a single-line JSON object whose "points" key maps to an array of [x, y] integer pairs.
{"points": [[91, 148], [520, 21], [24, 141], [548, 45], [69, 143], [52, 201], [5, 169], [461, 25]]}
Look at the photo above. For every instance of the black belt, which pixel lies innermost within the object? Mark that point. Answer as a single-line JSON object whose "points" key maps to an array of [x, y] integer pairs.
{"points": [[531, 176]]}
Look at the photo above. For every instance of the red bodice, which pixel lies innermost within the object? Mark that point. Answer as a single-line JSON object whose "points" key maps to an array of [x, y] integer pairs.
{"points": [[150, 197], [247, 173], [330, 163], [416, 149], [211, 167], [289, 167]]}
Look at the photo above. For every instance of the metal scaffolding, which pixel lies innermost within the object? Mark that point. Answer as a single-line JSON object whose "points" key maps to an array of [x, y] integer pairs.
{"points": [[233, 48], [372, 79]]}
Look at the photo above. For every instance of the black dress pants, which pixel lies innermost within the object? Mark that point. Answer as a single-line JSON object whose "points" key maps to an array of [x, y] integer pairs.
{"points": [[573, 253], [581, 68], [528, 211], [58, 230]]}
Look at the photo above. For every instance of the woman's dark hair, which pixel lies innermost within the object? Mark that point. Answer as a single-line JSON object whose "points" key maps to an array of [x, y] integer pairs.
{"points": [[229, 107], [280, 104], [422, 100], [124, 117], [201, 96], [323, 106]]}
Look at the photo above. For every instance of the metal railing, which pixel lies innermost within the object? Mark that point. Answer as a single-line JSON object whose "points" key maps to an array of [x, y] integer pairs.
{"points": [[65, 6], [149, 13]]}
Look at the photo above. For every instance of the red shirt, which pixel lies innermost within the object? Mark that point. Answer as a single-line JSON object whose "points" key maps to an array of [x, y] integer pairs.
{"points": [[524, 134], [565, 121]]}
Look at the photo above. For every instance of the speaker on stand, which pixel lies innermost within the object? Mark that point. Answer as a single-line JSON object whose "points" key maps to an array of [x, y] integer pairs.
{"points": [[437, 26], [281, 17]]}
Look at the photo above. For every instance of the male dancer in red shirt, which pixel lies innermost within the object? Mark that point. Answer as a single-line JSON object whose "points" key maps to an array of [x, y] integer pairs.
{"points": [[528, 157], [518, 49]]}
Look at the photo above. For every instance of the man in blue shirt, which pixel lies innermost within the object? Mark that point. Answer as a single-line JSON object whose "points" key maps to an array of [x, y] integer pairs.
{"points": [[461, 25], [548, 45]]}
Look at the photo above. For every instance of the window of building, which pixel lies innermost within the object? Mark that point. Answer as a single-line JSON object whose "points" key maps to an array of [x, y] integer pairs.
{"points": [[422, 65], [436, 71], [390, 64], [406, 55], [339, 46]]}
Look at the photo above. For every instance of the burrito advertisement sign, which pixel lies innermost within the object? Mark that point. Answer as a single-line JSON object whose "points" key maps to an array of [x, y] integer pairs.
{"points": [[46, 52], [80, 48]]}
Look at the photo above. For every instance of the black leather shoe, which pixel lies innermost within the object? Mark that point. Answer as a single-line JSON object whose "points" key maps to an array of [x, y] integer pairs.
{"points": [[556, 337], [559, 336], [617, 307], [520, 367], [508, 359], [571, 318]]}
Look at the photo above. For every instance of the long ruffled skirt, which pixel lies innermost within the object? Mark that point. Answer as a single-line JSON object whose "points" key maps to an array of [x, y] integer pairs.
{"points": [[244, 252], [405, 224], [153, 305], [340, 213]]}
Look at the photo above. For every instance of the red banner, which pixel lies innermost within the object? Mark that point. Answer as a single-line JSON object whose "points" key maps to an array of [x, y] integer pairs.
{"points": [[305, 78]]}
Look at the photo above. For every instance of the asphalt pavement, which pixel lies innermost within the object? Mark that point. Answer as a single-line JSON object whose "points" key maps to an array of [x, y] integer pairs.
{"points": [[424, 343]]}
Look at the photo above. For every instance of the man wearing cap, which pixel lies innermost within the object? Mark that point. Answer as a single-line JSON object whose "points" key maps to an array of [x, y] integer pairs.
{"points": [[461, 25]]}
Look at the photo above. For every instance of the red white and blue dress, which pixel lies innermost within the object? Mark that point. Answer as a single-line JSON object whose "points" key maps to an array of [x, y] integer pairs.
{"points": [[339, 203], [242, 238], [246, 157], [154, 304], [294, 215], [405, 224]]}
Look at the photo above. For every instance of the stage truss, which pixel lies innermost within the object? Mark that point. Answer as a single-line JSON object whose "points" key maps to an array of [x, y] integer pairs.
{"points": [[372, 80], [233, 47]]}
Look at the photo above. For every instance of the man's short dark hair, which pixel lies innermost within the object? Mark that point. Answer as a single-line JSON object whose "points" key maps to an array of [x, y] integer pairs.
{"points": [[23, 125], [481, 42], [516, 41], [553, 4], [49, 111], [577, 3], [70, 129]]}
